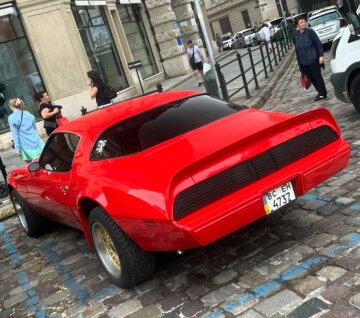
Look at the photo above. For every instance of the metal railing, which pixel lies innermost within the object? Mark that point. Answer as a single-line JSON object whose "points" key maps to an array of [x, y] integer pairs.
{"points": [[252, 66]]}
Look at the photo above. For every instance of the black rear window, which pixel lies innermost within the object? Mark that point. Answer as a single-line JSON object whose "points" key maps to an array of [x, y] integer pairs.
{"points": [[157, 125]]}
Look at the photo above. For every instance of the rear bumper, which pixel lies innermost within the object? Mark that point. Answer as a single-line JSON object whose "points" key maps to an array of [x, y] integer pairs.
{"points": [[245, 206], [248, 205]]}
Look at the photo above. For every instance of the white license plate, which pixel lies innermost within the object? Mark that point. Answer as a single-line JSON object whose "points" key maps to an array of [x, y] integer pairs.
{"points": [[278, 197]]}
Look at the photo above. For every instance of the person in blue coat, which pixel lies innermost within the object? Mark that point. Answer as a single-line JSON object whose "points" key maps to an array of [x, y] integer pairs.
{"points": [[310, 56], [27, 142]]}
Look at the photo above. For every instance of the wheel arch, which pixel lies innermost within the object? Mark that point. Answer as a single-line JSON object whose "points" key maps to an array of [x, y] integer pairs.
{"points": [[352, 72], [86, 205]]}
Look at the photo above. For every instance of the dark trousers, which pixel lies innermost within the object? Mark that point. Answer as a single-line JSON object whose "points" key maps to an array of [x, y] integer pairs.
{"points": [[3, 170], [313, 73]]}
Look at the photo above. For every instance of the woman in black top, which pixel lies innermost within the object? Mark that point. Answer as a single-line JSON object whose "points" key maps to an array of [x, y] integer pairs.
{"points": [[48, 112], [96, 88]]}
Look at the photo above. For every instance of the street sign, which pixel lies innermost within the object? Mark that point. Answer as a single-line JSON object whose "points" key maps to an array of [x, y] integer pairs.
{"points": [[135, 64], [90, 2], [129, 1]]}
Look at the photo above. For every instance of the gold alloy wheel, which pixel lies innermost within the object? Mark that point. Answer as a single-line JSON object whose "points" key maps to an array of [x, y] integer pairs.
{"points": [[106, 250]]}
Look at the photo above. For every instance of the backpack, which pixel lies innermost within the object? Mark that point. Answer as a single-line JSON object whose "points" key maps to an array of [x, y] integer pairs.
{"points": [[109, 92]]}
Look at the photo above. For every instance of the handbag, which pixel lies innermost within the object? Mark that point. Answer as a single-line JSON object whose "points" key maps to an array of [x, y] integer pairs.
{"points": [[22, 113], [305, 82], [62, 120]]}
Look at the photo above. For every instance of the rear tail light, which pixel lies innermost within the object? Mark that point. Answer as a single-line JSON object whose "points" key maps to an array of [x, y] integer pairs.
{"points": [[342, 23]]}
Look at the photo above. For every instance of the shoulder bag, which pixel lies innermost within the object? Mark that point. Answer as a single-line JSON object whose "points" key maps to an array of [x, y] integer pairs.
{"points": [[22, 113]]}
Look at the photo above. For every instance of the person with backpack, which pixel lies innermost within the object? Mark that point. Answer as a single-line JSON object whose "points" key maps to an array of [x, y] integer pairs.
{"points": [[102, 92]]}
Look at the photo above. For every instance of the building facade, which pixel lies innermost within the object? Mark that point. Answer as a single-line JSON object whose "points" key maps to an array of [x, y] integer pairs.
{"points": [[51, 45], [235, 15]]}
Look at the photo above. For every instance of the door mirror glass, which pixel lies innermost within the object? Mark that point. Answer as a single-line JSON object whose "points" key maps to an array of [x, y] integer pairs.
{"points": [[34, 166]]}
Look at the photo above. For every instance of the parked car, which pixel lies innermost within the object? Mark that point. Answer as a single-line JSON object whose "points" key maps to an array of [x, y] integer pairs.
{"points": [[345, 63], [310, 13], [227, 41], [327, 23], [172, 171], [243, 38]]}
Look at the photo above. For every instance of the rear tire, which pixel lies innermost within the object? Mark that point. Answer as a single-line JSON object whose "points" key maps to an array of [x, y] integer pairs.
{"points": [[124, 261], [32, 223], [355, 92]]}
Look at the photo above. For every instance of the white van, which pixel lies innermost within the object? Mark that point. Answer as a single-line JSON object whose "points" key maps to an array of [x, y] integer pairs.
{"points": [[345, 63]]}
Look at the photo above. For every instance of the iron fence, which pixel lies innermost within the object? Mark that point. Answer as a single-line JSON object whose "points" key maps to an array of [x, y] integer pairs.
{"points": [[252, 66]]}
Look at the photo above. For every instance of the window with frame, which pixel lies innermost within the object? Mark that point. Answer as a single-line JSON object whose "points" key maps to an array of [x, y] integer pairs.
{"points": [[19, 74], [59, 152], [99, 45], [160, 124], [136, 35]]}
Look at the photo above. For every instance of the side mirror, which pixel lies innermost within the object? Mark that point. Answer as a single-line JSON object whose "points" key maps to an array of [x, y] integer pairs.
{"points": [[34, 166]]}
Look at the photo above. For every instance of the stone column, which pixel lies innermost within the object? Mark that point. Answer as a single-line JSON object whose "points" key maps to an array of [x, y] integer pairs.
{"points": [[185, 16], [167, 32]]}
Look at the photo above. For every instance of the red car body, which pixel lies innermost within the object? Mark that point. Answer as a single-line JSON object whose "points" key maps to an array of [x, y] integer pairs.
{"points": [[184, 192]]}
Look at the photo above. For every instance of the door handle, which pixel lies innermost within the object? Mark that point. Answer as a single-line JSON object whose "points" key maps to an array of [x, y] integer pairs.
{"points": [[64, 187]]}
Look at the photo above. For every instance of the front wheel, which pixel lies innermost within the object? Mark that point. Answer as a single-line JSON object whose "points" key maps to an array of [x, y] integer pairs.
{"points": [[124, 261], [32, 223], [355, 92]]}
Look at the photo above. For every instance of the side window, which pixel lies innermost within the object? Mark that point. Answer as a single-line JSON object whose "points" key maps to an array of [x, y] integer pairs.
{"points": [[59, 152]]}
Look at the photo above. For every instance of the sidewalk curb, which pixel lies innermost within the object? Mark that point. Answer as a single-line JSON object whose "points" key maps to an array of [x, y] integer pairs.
{"points": [[259, 100]]}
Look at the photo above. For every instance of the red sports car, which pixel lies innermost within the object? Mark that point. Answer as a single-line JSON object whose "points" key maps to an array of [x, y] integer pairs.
{"points": [[172, 171]]}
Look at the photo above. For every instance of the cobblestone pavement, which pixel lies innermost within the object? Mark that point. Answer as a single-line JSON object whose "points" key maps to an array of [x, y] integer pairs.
{"points": [[301, 262]]}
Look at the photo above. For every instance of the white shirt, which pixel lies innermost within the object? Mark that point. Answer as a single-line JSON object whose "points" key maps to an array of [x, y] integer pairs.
{"points": [[195, 49], [265, 34]]}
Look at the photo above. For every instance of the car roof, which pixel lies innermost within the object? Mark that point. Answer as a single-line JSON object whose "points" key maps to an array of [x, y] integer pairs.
{"points": [[242, 31], [96, 121], [310, 14], [323, 12]]}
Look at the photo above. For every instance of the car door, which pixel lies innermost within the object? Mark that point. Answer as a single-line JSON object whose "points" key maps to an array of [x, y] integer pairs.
{"points": [[49, 188]]}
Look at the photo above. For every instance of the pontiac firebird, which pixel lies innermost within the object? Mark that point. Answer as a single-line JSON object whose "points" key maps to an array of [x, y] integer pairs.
{"points": [[172, 171]]}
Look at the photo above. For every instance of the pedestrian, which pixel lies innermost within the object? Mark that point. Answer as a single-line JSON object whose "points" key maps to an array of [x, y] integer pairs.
{"points": [[219, 42], [255, 26], [265, 36], [196, 61], [310, 56], [27, 142], [340, 5], [97, 89], [48, 112]]}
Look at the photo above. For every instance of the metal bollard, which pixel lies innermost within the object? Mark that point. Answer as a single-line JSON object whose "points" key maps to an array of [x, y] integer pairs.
{"points": [[263, 60], [159, 87], [238, 56], [222, 82], [83, 111], [253, 68]]}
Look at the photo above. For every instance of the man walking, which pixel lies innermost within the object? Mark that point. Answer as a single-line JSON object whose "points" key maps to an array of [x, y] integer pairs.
{"points": [[219, 42], [196, 61]]}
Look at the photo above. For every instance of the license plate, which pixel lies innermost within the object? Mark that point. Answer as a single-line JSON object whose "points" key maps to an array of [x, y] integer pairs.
{"points": [[278, 197]]}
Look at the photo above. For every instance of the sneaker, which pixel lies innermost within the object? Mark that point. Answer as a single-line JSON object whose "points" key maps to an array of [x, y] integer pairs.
{"points": [[318, 97]]}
